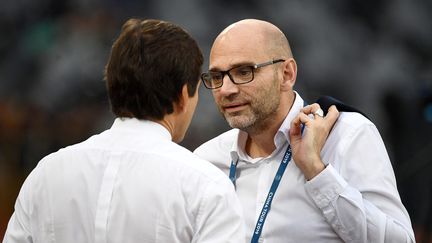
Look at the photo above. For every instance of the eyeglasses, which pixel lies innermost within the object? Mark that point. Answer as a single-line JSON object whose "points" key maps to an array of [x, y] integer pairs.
{"points": [[238, 75]]}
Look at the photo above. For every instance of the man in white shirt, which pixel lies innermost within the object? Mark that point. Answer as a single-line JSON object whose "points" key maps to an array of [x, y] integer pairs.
{"points": [[132, 183], [339, 188]]}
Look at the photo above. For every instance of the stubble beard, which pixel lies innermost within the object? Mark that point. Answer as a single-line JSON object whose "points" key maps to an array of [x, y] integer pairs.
{"points": [[258, 115]]}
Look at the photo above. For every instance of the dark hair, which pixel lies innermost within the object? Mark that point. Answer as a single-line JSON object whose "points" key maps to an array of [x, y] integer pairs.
{"points": [[150, 62]]}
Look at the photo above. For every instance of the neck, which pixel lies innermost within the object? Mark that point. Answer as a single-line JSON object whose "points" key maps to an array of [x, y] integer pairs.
{"points": [[260, 141], [168, 125]]}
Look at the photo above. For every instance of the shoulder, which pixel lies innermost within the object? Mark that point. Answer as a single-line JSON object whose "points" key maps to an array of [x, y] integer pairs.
{"points": [[217, 150], [169, 154], [194, 165], [223, 141], [178, 163], [353, 119], [352, 132], [66, 153], [351, 123]]}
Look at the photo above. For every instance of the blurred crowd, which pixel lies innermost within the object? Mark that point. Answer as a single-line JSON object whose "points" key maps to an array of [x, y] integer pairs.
{"points": [[375, 55]]}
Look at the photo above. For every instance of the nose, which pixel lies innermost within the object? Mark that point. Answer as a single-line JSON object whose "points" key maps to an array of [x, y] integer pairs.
{"points": [[228, 87]]}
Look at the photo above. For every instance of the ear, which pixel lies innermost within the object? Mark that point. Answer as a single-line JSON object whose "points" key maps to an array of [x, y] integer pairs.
{"points": [[289, 74], [181, 105]]}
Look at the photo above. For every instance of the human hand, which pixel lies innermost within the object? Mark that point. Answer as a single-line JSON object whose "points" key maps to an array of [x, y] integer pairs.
{"points": [[306, 149]]}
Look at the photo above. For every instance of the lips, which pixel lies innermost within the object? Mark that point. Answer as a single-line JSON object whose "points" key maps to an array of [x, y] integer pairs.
{"points": [[234, 107]]}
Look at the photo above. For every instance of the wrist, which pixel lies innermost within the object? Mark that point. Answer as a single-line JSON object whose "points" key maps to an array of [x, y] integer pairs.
{"points": [[312, 171]]}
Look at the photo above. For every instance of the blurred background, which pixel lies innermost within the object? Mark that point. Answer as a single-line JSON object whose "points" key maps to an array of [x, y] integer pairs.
{"points": [[374, 55]]}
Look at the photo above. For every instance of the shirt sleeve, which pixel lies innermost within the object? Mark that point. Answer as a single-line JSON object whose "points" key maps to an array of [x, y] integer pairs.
{"points": [[18, 229], [220, 217], [358, 196]]}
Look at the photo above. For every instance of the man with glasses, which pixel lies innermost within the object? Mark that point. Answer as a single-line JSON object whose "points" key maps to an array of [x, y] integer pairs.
{"points": [[133, 183], [300, 177]]}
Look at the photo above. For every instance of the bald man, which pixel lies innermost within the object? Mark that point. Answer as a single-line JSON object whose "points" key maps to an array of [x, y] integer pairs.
{"points": [[321, 186]]}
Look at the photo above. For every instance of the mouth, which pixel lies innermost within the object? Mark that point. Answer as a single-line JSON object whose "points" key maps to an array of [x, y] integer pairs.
{"points": [[234, 107]]}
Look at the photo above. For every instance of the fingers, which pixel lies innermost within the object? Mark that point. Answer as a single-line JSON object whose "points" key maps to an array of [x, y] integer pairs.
{"points": [[314, 111], [332, 115], [301, 118], [296, 123], [310, 109], [314, 108]]}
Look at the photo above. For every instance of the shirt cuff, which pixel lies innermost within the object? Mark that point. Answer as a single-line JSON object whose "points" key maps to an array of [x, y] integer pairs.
{"points": [[325, 187]]}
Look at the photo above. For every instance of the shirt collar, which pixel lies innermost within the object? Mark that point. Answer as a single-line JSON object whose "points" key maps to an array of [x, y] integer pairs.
{"points": [[281, 137], [282, 134], [137, 126]]}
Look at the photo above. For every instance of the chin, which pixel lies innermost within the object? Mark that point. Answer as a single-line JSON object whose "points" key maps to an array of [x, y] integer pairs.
{"points": [[239, 122]]}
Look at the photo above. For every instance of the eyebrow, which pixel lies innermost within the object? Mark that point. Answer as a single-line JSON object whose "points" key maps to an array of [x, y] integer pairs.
{"points": [[239, 64]]}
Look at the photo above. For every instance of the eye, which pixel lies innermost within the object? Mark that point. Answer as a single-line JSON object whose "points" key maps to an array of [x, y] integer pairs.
{"points": [[245, 71], [216, 75]]}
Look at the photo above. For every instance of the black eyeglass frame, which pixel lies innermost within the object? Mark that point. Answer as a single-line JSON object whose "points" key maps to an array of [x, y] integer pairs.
{"points": [[227, 72]]}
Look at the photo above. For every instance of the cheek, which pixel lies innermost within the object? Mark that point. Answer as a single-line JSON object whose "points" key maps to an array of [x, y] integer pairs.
{"points": [[216, 97]]}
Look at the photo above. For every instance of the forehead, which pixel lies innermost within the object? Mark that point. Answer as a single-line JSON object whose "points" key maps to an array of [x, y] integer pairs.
{"points": [[237, 47]]}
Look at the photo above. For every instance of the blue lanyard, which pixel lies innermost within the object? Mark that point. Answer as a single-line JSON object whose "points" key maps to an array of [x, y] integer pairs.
{"points": [[266, 208]]}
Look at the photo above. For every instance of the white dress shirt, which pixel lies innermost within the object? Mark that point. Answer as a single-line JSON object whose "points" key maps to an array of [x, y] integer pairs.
{"points": [[130, 183], [354, 199]]}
